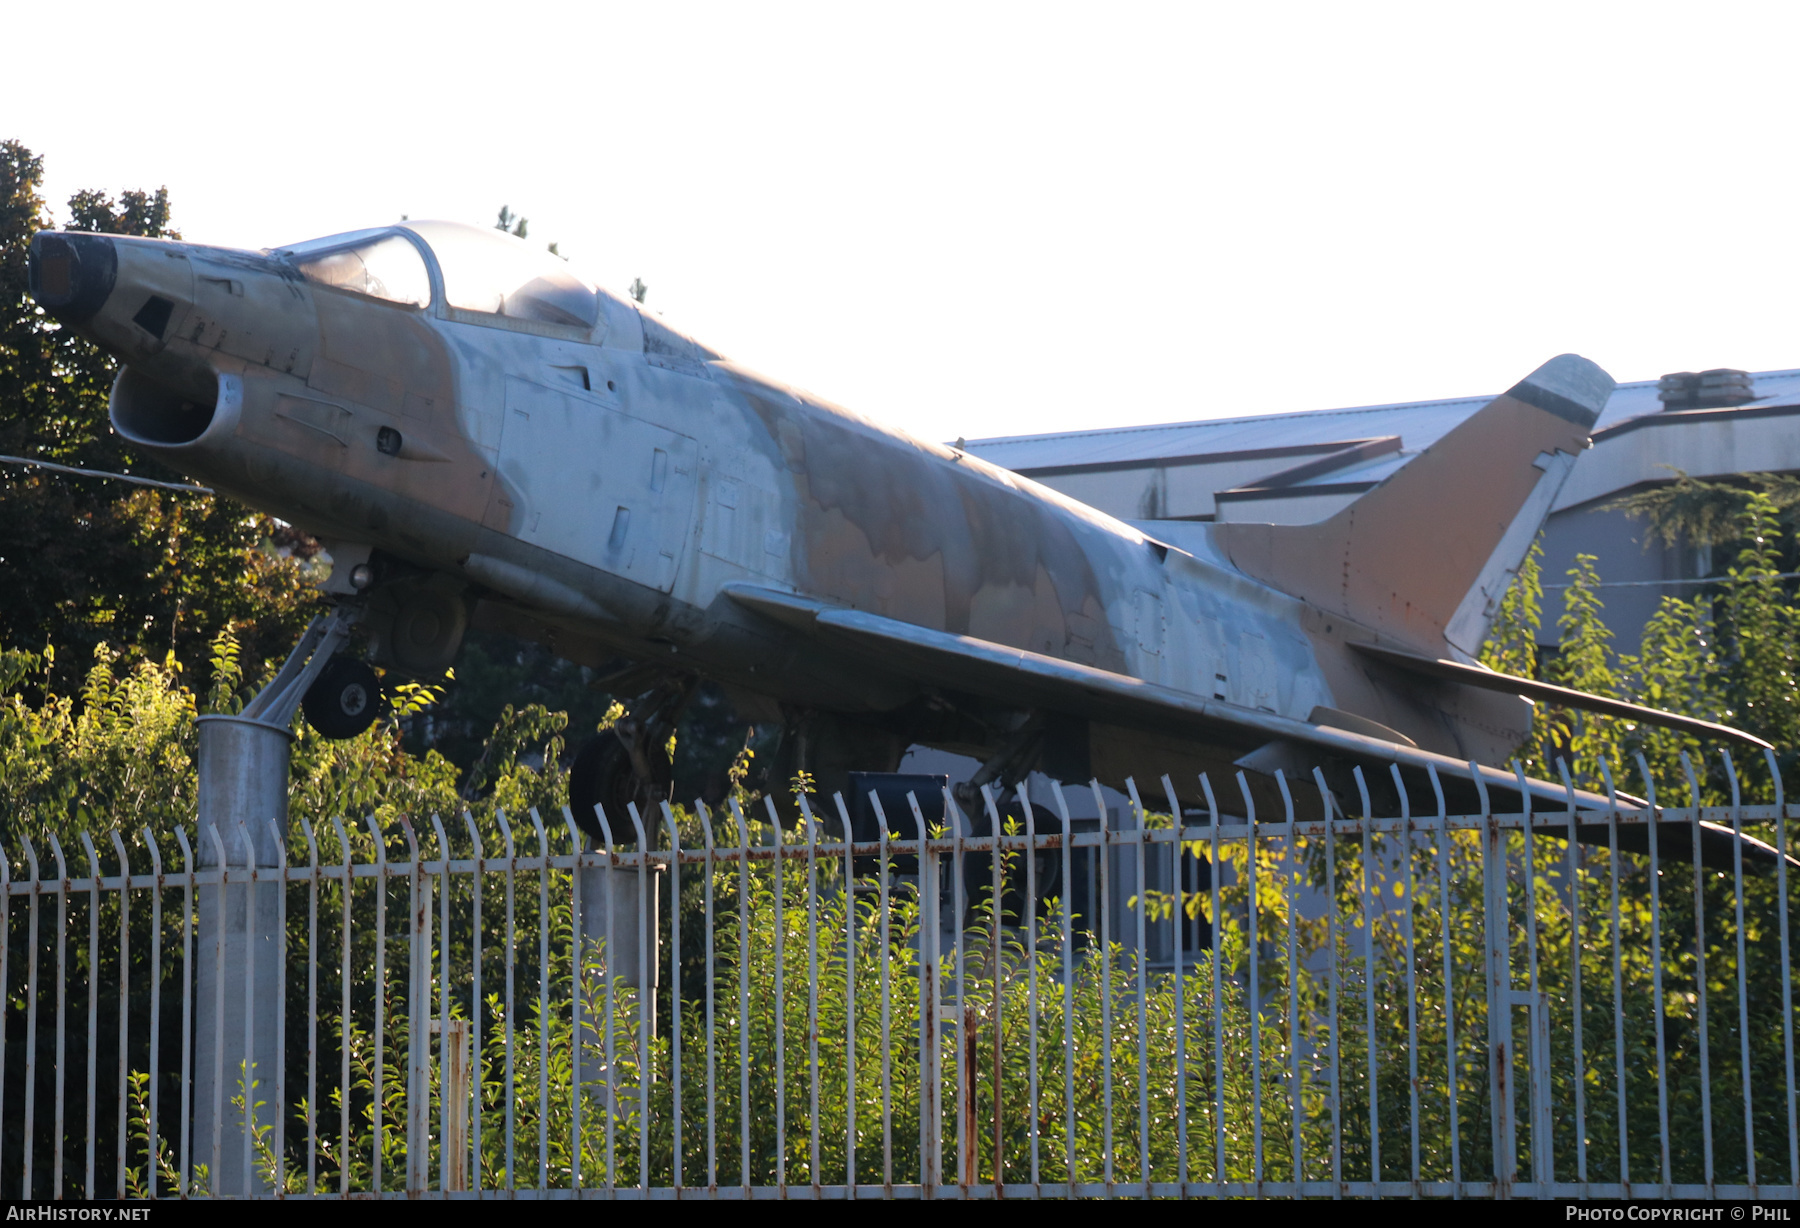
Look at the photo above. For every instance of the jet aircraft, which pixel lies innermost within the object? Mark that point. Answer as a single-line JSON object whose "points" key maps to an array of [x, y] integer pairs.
{"points": [[484, 437]]}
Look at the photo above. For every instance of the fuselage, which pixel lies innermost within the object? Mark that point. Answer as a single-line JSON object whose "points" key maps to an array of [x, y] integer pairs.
{"points": [[600, 480]]}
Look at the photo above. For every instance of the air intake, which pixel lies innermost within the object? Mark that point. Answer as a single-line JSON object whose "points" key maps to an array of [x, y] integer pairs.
{"points": [[146, 411]]}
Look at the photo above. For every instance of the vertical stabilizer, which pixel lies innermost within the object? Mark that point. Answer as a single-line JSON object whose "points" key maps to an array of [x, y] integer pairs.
{"points": [[1425, 557]]}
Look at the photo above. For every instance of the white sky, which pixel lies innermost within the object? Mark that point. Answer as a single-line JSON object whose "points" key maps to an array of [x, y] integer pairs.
{"points": [[992, 219]]}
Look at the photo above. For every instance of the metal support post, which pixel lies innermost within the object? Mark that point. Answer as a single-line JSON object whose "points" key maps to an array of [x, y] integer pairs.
{"points": [[243, 785]]}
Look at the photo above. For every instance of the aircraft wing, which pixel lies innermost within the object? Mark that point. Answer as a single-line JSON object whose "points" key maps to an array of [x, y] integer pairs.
{"points": [[1028, 679]]}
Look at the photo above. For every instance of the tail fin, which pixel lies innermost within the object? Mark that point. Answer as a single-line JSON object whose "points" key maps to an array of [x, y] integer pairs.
{"points": [[1426, 556]]}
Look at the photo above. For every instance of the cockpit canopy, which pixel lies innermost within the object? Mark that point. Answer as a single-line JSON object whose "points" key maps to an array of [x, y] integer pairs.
{"points": [[484, 271], [378, 263]]}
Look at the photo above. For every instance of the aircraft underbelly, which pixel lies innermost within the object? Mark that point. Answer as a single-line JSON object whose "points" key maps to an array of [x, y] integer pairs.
{"points": [[596, 485]]}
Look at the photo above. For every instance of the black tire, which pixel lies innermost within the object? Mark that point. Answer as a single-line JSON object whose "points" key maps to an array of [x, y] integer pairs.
{"points": [[602, 774], [344, 700]]}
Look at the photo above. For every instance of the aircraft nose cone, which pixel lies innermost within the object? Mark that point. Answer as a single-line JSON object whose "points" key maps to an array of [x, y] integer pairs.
{"points": [[71, 275]]}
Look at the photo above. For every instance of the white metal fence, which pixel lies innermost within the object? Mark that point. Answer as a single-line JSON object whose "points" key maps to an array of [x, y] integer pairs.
{"points": [[1420, 1004]]}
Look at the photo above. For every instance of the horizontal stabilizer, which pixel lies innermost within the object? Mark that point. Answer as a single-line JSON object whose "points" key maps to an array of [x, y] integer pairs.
{"points": [[1544, 692]]}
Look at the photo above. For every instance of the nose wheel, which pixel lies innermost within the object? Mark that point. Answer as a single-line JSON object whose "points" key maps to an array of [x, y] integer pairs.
{"points": [[344, 700]]}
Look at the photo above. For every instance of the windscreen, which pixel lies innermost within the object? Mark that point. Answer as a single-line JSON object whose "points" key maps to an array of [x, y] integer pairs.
{"points": [[493, 272], [378, 263]]}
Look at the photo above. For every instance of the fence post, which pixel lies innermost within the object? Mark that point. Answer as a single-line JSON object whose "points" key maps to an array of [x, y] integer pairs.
{"points": [[931, 1155], [243, 775], [1496, 947], [455, 1154], [418, 1006]]}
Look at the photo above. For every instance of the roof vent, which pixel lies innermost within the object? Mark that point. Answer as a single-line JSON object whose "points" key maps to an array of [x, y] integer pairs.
{"points": [[1715, 389]]}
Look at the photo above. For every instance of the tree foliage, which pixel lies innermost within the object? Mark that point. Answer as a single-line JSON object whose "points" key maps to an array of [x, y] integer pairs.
{"points": [[1727, 654], [1694, 512]]}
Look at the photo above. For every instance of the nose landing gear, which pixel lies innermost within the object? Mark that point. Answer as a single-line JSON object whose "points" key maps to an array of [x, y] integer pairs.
{"points": [[341, 696]]}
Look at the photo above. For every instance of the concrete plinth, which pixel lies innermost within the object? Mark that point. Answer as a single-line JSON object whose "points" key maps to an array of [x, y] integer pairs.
{"points": [[611, 915], [612, 925]]}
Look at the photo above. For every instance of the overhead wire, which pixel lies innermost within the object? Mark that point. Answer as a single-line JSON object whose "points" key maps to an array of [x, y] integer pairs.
{"points": [[101, 473]]}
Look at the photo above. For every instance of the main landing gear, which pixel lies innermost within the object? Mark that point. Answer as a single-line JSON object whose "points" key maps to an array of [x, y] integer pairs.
{"points": [[629, 762]]}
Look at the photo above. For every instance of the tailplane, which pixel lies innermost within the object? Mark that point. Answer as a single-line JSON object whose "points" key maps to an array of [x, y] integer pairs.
{"points": [[1426, 556]]}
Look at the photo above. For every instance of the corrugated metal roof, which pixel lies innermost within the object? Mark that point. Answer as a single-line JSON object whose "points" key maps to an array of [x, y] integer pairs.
{"points": [[1418, 423]]}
